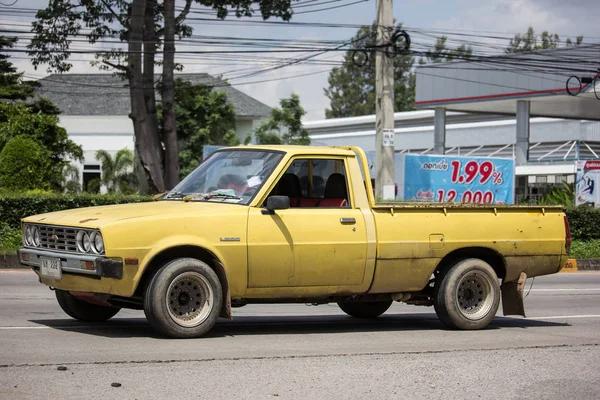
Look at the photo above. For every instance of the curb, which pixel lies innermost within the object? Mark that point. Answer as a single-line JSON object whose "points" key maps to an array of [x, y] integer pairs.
{"points": [[11, 261], [588, 264]]}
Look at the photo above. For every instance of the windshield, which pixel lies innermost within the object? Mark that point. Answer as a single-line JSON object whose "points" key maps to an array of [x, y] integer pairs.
{"points": [[231, 176]]}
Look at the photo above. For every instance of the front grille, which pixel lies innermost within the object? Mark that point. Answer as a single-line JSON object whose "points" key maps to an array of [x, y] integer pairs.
{"points": [[57, 238]]}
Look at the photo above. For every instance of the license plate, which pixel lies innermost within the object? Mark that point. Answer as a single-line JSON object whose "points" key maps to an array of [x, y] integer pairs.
{"points": [[50, 268]]}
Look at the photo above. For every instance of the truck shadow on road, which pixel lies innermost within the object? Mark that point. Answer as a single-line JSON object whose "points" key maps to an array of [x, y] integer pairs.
{"points": [[276, 325]]}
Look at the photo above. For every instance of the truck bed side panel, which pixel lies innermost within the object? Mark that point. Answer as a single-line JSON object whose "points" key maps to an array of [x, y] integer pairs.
{"points": [[412, 241]]}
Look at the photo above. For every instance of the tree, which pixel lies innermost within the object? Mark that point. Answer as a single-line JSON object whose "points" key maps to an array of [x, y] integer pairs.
{"points": [[203, 118], [529, 42], [285, 124], [24, 165], [145, 25], [117, 172], [16, 120], [71, 179], [441, 53], [351, 88], [12, 86], [36, 120]]}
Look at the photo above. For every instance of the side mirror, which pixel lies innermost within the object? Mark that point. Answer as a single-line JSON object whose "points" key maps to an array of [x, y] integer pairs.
{"points": [[277, 203]]}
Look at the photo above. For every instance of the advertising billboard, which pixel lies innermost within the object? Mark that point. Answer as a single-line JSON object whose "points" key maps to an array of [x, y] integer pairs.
{"points": [[586, 184], [447, 179]]}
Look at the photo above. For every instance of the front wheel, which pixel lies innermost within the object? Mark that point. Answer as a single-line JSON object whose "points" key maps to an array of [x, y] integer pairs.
{"points": [[372, 309], [183, 299], [82, 310], [468, 295]]}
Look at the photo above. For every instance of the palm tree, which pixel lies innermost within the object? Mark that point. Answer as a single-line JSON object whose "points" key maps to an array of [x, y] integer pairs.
{"points": [[117, 172], [70, 179]]}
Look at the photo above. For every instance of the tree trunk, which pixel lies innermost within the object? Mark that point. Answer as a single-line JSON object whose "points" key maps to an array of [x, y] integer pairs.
{"points": [[146, 132], [168, 99], [150, 46]]}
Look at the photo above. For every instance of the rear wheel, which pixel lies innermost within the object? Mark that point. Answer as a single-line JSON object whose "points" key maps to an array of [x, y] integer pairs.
{"points": [[183, 299], [467, 296], [82, 310], [372, 309]]}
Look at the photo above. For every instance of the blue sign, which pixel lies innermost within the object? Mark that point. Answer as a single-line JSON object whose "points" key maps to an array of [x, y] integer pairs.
{"points": [[448, 179]]}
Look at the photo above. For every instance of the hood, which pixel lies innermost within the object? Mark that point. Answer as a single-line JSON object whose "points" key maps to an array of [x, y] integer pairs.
{"points": [[95, 217]]}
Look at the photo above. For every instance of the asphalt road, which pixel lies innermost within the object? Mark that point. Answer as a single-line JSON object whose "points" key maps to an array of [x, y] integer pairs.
{"points": [[300, 352]]}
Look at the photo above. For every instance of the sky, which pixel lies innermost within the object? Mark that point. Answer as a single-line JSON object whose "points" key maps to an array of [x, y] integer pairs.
{"points": [[488, 17]]}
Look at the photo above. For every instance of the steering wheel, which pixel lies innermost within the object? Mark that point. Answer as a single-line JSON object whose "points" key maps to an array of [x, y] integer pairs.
{"points": [[232, 181]]}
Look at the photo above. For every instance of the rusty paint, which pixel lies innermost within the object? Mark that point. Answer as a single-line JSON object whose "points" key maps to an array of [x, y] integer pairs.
{"points": [[87, 220]]}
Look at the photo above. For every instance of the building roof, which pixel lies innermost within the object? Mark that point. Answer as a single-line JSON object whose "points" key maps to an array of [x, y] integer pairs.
{"points": [[558, 83], [108, 94]]}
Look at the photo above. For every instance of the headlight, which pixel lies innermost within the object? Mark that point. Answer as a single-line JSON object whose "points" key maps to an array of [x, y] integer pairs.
{"points": [[35, 233], [97, 242], [28, 236], [84, 243]]}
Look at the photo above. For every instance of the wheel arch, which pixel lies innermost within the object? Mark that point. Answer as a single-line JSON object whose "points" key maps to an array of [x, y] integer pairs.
{"points": [[191, 251], [491, 256]]}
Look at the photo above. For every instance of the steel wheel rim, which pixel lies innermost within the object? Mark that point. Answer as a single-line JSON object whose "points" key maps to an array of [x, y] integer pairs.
{"points": [[189, 299], [474, 296]]}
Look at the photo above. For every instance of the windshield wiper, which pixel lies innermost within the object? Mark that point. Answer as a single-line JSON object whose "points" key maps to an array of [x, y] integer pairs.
{"points": [[208, 196], [174, 195]]}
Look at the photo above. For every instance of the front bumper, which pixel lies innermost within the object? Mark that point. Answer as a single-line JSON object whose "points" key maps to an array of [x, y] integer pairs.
{"points": [[75, 263]]}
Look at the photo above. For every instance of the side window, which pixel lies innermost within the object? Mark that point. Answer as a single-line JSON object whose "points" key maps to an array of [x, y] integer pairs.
{"points": [[315, 183]]}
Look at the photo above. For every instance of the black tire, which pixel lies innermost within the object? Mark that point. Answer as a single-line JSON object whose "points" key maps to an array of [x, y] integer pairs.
{"points": [[367, 309], [467, 296], [183, 299], [82, 310]]}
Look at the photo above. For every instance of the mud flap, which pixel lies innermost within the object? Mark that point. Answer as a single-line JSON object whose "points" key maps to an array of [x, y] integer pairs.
{"points": [[512, 296]]}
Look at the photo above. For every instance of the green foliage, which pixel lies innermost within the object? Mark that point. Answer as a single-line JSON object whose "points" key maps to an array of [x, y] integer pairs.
{"points": [[24, 165], [285, 124], [203, 117], [529, 42], [585, 249], [441, 54], [71, 182], [12, 86], [13, 207], [560, 196], [16, 120], [351, 88], [584, 222], [117, 172], [10, 238]]}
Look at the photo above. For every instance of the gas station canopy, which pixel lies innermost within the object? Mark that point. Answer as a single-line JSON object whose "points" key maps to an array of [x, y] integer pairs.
{"points": [[557, 83]]}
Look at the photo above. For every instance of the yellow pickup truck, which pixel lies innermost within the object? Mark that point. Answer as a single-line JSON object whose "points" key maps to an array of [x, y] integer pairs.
{"points": [[275, 224]]}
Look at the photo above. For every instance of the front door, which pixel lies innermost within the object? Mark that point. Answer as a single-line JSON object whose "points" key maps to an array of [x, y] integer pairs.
{"points": [[319, 241]]}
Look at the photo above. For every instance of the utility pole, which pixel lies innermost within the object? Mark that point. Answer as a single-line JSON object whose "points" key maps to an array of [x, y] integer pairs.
{"points": [[384, 104]]}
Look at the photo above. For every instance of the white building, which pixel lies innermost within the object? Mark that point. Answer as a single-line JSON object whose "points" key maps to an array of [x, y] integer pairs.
{"points": [[95, 109]]}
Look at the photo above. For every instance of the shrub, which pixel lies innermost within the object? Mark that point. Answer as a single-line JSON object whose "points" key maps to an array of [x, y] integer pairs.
{"points": [[585, 249], [10, 238], [584, 222], [24, 165]]}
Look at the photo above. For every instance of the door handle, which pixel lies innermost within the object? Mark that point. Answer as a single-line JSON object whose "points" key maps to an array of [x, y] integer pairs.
{"points": [[347, 220]]}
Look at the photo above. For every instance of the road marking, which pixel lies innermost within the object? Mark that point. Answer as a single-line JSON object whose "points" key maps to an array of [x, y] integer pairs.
{"points": [[567, 316]]}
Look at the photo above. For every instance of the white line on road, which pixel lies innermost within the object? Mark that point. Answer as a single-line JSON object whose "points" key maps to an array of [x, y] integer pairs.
{"points": [[567, 290], [566, 316]]}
